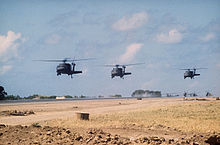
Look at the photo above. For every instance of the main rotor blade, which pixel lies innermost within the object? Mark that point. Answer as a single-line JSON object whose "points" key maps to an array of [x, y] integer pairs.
{"points": [[192, 68], [51, 60], [109, 65], [132, 64], [63, 60], [200, 68], [115, 65], [81, 59]]}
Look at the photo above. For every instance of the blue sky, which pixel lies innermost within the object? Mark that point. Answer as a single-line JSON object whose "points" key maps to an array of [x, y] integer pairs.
{"points": [[166, 35]]}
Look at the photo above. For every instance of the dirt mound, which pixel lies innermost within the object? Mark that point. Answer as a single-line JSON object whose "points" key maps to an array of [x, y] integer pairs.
{"points": [[16, 113], [54, 135]]}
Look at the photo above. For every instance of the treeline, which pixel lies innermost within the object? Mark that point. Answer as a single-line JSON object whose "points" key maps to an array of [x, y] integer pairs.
{"points": [[35, 96], [11, 97], [117, 96], [5, 96], [146, 93]]}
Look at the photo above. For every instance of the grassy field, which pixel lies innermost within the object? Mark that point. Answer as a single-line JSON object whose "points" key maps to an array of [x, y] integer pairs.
{"points": [[190, 116]]}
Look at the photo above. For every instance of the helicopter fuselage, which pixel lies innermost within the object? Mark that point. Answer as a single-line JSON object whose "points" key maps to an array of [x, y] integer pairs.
{"points": [[119, 72], [66, 68], [190, 74]]}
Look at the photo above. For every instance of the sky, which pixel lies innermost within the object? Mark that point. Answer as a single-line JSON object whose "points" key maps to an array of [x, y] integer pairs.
{"points": [[166, 35]]}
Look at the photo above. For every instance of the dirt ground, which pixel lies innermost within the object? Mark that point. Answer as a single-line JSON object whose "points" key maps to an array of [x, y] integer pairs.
{"points": [[59, 110], [115, 121]]}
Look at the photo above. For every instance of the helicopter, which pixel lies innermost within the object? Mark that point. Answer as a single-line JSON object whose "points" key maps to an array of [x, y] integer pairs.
{"points": [[191, 73], [64, 67], [119, 70]]}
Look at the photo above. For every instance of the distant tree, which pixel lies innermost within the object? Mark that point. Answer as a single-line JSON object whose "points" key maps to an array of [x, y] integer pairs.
{"points": [[68, 96], [157, 94], [35, 96], [12, 97], [29, 97], [48, 97], [117, 95], [82, 96], [2, 93], [51, 97], [146, 93], [138, 93]]}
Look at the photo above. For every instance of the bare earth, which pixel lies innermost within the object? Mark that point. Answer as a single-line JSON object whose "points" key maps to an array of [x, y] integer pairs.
{"points": [[114, 121]]}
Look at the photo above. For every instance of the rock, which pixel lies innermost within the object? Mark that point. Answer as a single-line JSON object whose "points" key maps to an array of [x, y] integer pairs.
{"points": [[116, 137], [101, 132], [195, 143], [103, 140], [214, 140], [187, 141], [68, 132], [35, 142], [79, 138], [108, 139], [90, 132], [154, 138], [48, 133], [170, 140], [99, 136], [2, 125], [88, 140]]}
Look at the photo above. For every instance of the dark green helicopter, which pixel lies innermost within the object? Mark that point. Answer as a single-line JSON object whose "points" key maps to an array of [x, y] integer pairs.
{"points": [[64, 67], [191, 73], [119, 69]]}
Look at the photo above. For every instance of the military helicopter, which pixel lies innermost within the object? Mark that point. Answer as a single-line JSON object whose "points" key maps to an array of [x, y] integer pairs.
{"points": [[64, 67], [119, 69], [191, 73]]}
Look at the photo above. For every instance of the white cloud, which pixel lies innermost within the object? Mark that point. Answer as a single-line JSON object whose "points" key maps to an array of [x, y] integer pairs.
{"points": [[208, 37], [173, 36], [130, 52], [128, 23], [53, 39], [9, 45], [4, 69]]}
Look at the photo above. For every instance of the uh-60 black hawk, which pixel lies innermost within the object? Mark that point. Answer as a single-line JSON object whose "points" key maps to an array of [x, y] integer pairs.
{"points": [[119, 69], [191, 73], [64, 67]]}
